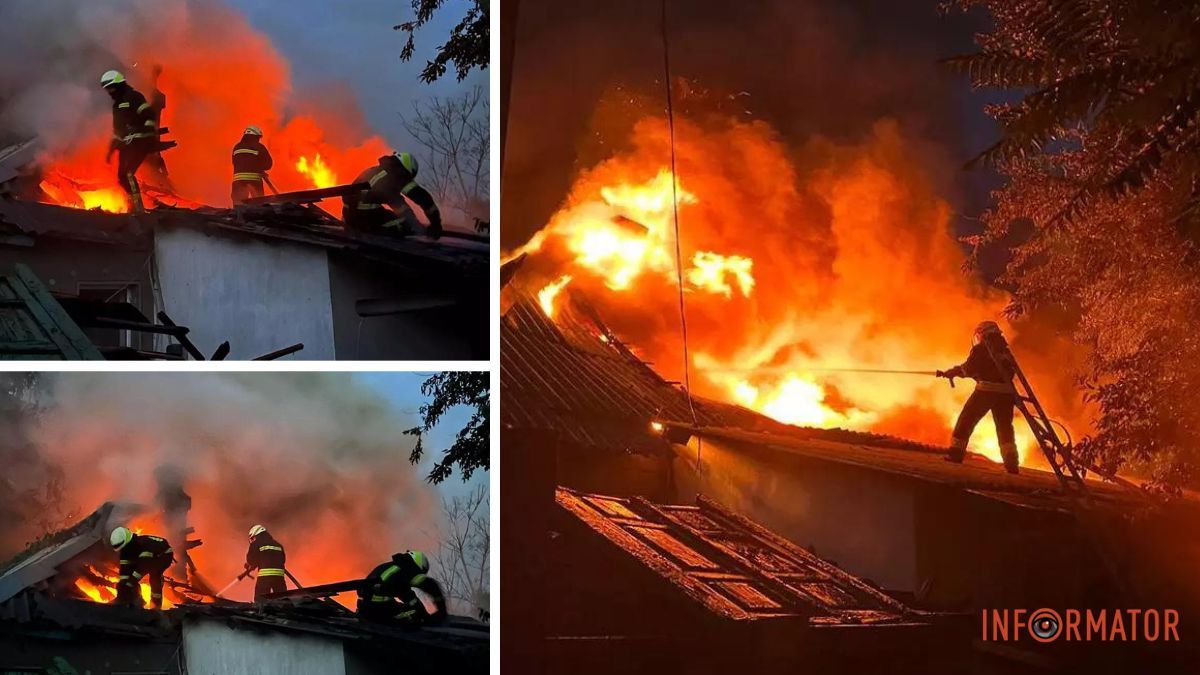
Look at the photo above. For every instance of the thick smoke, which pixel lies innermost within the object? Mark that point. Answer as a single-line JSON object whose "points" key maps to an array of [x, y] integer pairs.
{"points": [[318, 458]]}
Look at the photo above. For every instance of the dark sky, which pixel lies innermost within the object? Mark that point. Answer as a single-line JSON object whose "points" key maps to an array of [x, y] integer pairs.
{"points": [[828, 67], [352, 43]]}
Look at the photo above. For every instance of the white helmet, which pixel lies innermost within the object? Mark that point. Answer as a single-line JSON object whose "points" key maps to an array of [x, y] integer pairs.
{"points": [[111, 77], [257, 530], [252, 131], [407, 161], [985, 328], [120, 537]]}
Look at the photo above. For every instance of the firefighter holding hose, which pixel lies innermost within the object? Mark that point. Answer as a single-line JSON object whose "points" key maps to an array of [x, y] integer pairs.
{"points": [[141, 555], [268, 557], [993, 393], [135, 133], [251, 162]]}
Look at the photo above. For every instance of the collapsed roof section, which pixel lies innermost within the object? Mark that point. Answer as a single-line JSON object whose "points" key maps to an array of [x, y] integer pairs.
{"points": [[735, 568], [42, 560]]}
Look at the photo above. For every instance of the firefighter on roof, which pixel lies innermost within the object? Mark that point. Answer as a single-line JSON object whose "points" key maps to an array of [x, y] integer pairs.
{"points": [[391, 592], [141, 555], [382, 207], [135, 133], [993, 393], [251, 162], [267, 556]]}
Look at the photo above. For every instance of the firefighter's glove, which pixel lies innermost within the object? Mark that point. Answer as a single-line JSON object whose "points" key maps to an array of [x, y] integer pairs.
{"points": [[947, 375]]}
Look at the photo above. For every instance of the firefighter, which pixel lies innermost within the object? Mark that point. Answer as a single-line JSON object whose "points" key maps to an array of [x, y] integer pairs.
{"points": [[141, 555], [993, 393], [382, 207], [390, 595], [135, 133], [267, 556], [251, 161]]}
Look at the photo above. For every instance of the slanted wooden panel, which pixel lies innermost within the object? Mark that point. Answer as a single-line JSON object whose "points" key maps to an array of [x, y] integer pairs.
{"points": [[733, 566], [33, 326]]}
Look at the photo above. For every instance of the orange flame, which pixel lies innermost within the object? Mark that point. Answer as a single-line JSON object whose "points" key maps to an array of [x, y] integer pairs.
{"points": [[546, 295], [853, 263], [213, 90], [317, 171]]}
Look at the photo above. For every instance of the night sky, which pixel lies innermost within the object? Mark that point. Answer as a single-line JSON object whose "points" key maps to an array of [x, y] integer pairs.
{"points": [[809, 67]]}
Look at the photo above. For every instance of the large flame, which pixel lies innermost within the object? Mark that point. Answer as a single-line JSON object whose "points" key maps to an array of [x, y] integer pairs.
{"points": [[850, 262], [214, 89]]}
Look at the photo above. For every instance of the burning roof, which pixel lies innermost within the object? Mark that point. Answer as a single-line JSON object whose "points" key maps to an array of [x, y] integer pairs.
{"points": [[43, 223], [736, 568], [573, 375], [42, 588]]}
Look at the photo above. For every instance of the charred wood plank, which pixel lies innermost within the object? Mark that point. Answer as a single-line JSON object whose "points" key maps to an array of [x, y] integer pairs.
{"points": [[308, 196], [279, 353], [182, 337], [322, 591]]}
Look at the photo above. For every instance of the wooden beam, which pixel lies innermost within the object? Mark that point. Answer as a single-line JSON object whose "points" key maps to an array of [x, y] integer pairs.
{"points": [[308, 196]]}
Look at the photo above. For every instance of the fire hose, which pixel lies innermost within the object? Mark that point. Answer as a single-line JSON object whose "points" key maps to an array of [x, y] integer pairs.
{"points": [[231, 584]]}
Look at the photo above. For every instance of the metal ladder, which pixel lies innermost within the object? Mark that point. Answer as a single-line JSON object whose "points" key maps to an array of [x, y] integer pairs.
{"points": [[1058, 452]]}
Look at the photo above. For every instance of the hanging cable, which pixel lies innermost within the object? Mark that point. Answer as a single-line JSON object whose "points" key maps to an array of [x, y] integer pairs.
{"points": [[687, 382]]}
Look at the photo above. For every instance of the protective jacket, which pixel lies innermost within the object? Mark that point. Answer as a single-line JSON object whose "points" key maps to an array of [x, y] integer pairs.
{"points": [[144, 556], [389, 594], [389, 184], [251, 159], [268, 557]]}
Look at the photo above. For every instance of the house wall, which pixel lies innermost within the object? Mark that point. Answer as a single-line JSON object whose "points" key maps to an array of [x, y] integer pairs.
{"points": [[862, 520], [22, 653], [66, 265], [259, 296], [459, 331], [213, 648]]}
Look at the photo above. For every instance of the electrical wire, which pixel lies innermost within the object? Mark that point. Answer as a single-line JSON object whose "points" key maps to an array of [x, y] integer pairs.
{"points": [[687, 382]]}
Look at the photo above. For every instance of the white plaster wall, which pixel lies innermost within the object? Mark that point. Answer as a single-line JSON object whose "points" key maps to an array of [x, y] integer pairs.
{"points": [[212, 648], [260, 296]]}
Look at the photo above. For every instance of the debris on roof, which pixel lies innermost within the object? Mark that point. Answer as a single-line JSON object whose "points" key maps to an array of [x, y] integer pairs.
{"points": [[736, 568]]}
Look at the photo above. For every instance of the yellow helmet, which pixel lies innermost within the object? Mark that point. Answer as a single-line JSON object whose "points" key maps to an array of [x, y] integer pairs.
{"points": [[111, 77], [257, 530], [252, 131], [407, 161], [120, 537], [421, 561]]}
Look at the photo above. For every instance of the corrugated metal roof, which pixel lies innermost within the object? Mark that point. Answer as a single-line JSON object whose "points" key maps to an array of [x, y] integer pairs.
{"points": [[734, 567]]}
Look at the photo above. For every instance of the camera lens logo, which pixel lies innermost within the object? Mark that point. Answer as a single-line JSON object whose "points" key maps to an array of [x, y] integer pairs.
{"points": [[1045, 625]]}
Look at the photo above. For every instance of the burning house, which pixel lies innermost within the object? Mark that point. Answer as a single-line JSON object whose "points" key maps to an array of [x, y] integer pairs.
{"points": [[583, 414], [265, 279], [56, 615], [260, 278]]}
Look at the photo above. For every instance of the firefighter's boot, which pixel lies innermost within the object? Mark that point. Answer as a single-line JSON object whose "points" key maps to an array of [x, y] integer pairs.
{"points": [[1011, 459]]}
